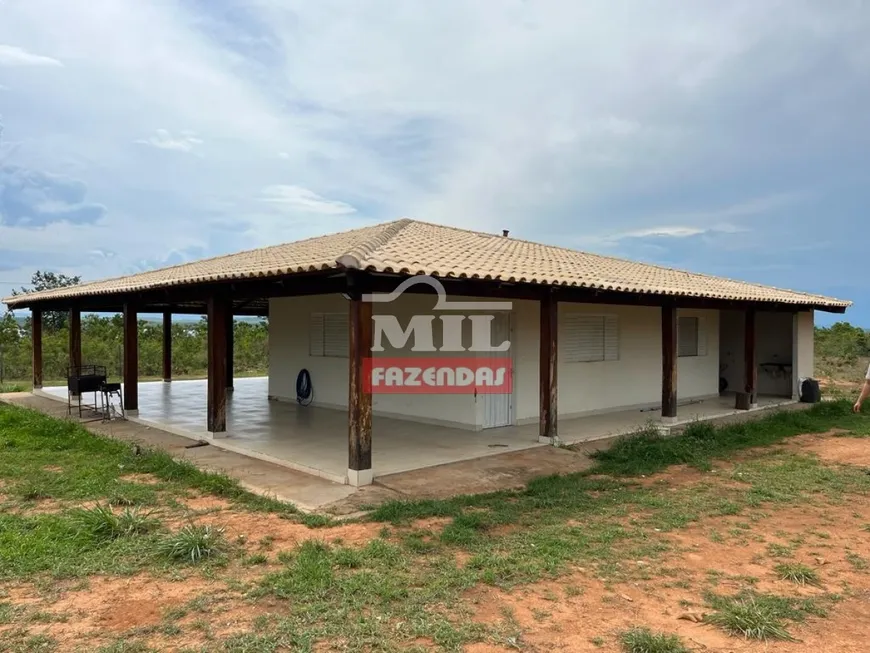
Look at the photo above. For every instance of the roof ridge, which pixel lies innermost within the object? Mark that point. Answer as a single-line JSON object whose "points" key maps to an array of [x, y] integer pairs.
{"points": [[355, 257], [625, 260]]}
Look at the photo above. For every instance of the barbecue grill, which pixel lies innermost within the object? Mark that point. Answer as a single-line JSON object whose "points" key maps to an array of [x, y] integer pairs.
{"points": [[81, 379]]}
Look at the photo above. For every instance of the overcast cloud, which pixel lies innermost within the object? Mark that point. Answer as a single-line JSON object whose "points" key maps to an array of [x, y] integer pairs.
{"points": [[725, 137]]}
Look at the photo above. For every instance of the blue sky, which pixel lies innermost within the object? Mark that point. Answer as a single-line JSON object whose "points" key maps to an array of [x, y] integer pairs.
{"points": [[727, 138]]}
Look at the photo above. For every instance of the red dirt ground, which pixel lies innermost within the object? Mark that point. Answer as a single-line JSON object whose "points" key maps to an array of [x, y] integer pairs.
{"points": [[566, 614]]}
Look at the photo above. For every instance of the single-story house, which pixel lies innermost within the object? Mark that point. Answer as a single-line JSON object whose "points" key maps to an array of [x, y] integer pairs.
{"points": [[591, 344]]}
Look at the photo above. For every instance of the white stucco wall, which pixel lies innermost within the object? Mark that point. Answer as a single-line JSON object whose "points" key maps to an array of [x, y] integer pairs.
{"points": [[804, 326], [632, 381], [698, 376], [289, 320]]}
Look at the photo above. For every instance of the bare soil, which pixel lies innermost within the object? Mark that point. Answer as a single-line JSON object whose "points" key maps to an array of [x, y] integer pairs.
{"points": [[553, 618], [833, 447], [577, 612], [569, 613]]}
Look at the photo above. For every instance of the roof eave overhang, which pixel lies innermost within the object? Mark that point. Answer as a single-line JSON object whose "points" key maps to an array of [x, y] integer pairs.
{"points": [[332, 280]]}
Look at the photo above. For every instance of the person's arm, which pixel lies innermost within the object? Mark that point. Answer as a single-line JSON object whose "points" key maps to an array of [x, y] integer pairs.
{"points": [[865, 392]]}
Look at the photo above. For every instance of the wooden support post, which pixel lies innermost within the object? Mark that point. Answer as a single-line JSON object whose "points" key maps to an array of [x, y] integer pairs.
{"points": [[36, 339], [218, 307], [548, 366], [75, 337], [359, 405], [131, 358], [750, 386], [167, 346], [669, 362], [231, 324]]}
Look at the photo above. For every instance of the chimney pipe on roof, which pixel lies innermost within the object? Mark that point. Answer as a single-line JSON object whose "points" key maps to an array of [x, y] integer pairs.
{"points": [[505, 232]]}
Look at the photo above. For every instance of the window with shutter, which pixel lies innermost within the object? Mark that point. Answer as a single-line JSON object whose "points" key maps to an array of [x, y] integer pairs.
{"points": [[315, 335], [692, 336], [335, 338], [589, 338], [327, 335]]}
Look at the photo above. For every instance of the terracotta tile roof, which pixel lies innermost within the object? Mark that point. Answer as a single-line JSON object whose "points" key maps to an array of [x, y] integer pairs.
{"points": [[413, 247]]}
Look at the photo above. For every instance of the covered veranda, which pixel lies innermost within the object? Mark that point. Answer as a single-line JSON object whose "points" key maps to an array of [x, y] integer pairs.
{"points": [[351, 445], [312, 439]]}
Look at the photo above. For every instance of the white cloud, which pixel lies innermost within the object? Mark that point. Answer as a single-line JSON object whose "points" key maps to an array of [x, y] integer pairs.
{"points": [[165, 141], [11, 55], [747, 208], [304, 200], [668, 232], [549, 118], [663, 232]]}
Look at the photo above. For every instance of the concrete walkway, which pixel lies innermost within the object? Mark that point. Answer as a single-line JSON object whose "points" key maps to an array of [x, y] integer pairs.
{"points": [[306, 492], [504, 471], [501, 472]]}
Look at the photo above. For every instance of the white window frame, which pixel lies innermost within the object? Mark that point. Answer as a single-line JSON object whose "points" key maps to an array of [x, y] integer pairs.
{"points": [[700, 343], [573, 339], [328, 335]]}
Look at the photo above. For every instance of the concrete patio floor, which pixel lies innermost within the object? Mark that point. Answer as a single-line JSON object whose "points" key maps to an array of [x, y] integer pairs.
{"points": [[314, 440]]}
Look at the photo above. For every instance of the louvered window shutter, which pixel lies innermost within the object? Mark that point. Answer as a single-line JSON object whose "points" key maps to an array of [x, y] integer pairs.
{"points": [[315, 334], [335, 338], [611, 338], [688, 332], [702, 336], [590, 338]]}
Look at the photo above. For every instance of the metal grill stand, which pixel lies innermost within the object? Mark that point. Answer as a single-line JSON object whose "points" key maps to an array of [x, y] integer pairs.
{"points": [[81, 379]]}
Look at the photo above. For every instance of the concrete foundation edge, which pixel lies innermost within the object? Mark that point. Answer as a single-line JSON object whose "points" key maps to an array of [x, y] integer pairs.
{"points": [[358, 477]]}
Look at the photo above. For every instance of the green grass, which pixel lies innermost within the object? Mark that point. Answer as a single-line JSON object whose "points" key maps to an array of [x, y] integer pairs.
{"points": [[42, 458], [643, 640], [647, 451], [92, 466], [372, 595], [858, 563], [194, 543], [389, 593], [754, 615], [100, 522], [56, 544], [797, 573]]}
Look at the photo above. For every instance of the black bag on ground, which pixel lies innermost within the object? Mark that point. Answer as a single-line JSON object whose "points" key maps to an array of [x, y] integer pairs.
{"points": [[810, 391]]}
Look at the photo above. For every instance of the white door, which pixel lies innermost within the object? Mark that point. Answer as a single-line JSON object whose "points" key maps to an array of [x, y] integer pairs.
{"points": [[498, 408]]}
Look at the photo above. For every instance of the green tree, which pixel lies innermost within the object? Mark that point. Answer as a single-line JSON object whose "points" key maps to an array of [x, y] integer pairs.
{"points": [[102, 344], [842, 341], [10, 349], [52, 320]]}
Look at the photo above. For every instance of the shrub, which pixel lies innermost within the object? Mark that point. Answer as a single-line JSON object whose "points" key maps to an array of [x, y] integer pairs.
{"points": [[750, 618], [194, 543], [101, 523], [797, 573], [643, 640]]}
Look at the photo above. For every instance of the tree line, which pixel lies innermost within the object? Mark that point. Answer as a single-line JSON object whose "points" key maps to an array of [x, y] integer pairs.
{"points": [[102, 344], [103, 339], [842, 341]]}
